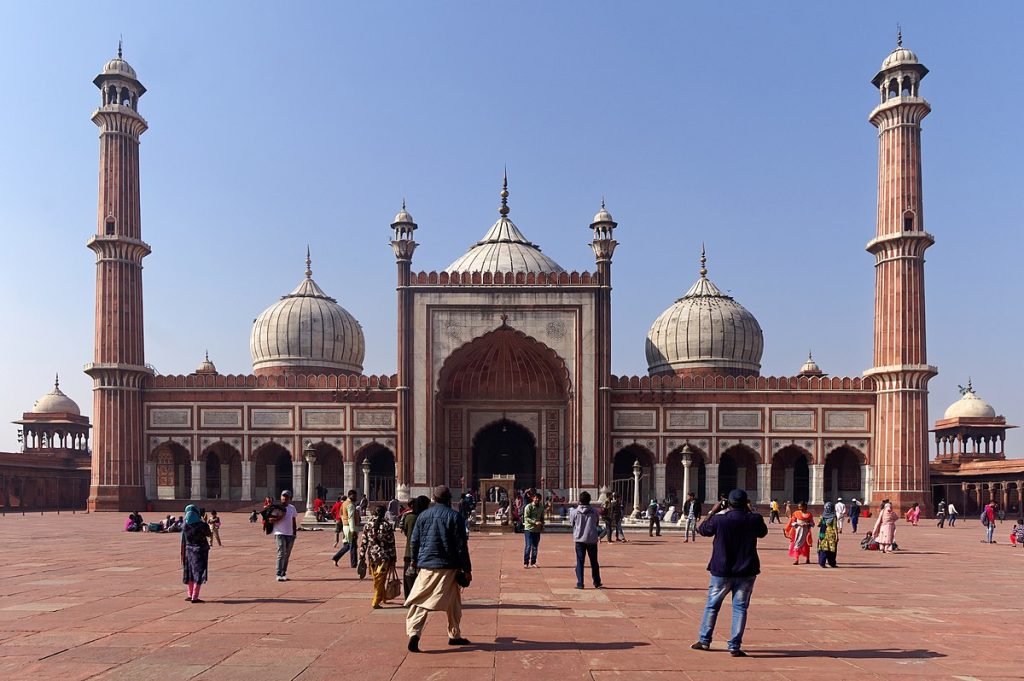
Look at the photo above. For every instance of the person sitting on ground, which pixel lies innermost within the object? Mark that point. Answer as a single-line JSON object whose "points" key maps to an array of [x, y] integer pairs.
{"points": [[868, 543], [135, 522], [1017, 534]]}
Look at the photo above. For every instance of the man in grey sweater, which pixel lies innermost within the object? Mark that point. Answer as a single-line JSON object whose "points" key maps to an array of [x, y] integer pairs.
{"points": [[585, 533]]}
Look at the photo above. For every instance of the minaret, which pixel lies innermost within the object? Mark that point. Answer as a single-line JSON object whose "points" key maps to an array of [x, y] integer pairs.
{"points": [[901, 371], [119, 364], [603, 244], [403, 243]]}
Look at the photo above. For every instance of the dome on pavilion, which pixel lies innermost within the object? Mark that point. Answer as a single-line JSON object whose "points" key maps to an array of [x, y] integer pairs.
{"points": [[970, 406], [56, 402]]}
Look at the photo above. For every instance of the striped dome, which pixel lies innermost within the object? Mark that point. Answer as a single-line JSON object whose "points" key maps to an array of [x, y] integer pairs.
{"points": [[504, 249], [705, 332], [307, 332]]}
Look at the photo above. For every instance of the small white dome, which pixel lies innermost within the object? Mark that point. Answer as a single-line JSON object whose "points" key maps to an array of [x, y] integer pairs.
{"points": [[206, 366], [705, 330], [56, 402], [899, 57], [307, 332], [970, 406], [403, 217], [810, 367], [602, 215], [119, 67]]}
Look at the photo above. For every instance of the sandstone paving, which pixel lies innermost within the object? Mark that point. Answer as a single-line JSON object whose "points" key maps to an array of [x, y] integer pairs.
{"points": [[79, 599]]}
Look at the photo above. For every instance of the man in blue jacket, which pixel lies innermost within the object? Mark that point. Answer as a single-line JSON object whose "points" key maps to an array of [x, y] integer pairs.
{"points": [[734, 566], [441, 555]]}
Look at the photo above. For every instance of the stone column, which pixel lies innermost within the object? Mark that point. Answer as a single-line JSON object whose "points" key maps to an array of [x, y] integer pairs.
{"points": [[711, 482], [686, 476], [636, 490], [150, 480], [247, 481], [197, 479], [764, 483], [225, 481], [866, 483], [365, 468], [349, 480], [310, 457], [817, 484], [659, 481], [298, 480]]}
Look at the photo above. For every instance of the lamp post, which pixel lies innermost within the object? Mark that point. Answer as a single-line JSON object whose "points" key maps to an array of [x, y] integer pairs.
{"points": [[366, 478], [687, 461], [310, 455], [636, 488]]}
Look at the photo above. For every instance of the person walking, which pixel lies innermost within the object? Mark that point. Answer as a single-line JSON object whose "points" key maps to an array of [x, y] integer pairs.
{"points": [[416, 506], [214, 523], [798, 530], [840, 514], [988, 520], [284, 535], [195, 553], [339, 524], [619, 513], [691, 511], [952, 513], [350, 539], [854, 512], [608, 513], [828, 536], [774, 512], [940, 514], [440, 551], [377, 551], [913, 514], [586, 535], [788, 509], [653, 519], [885, 527], [734, 566], [533, 526]]}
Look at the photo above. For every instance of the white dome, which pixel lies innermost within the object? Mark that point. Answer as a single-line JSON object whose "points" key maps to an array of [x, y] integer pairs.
{"points": [[970, 406], [56, 402], [898, 57], [810, 367], [504, 249], [119, 67], [705, 330], [206, 366], [307, 332]]}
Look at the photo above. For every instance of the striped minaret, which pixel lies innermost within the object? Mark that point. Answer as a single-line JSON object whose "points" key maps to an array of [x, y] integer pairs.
{"points": [[901, 371], [119, 363]]}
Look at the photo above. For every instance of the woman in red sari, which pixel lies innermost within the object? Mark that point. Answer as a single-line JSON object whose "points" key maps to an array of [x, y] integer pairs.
{"points": [[798, 530]]}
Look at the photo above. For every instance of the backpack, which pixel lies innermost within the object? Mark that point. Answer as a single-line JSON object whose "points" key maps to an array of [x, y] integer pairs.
{"points": [[984, 517]]}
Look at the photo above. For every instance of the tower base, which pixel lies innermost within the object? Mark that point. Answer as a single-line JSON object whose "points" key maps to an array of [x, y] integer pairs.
{"points": [[117, 498]]}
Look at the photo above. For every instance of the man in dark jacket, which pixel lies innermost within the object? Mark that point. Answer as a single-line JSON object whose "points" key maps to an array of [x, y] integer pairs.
{"points": [[734, 566], [441, 555]]}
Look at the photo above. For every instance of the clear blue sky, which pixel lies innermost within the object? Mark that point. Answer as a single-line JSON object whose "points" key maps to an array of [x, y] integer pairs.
{"points": [[742, 125]]}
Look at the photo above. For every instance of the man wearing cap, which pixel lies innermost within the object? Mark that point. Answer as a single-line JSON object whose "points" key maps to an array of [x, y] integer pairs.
{"points": [[441, 554], [734, 565], [840, 514], [284, 535]]}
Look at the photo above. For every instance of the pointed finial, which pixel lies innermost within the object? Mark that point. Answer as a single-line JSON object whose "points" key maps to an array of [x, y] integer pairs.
{"points": [[970, 385], [503, 211], [899, 36], [810, 358], [309, 262], [206, 355], [703, 262], [56, 381], [602, 203], [120, 40], [403, 203]]}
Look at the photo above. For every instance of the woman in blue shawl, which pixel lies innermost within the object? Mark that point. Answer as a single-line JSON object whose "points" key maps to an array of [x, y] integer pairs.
{"points": [[195, 552], [828, 536]]}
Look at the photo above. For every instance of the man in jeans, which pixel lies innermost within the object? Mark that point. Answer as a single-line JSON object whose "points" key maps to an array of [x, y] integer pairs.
{"points": [[734, 566], [350, 527], [691, 511], [284, 535], [990, 525], [586, 534]]}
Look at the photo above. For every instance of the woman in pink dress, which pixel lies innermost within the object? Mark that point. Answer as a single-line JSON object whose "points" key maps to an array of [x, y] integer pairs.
{"points": [[913, 514], [885, 527]]}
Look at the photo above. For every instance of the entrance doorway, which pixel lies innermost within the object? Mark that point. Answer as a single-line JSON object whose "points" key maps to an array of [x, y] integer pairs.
{"points": [[505, 448]]}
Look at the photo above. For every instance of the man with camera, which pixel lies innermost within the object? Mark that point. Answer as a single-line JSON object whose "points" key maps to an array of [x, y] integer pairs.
{"points": [[734, 565]]}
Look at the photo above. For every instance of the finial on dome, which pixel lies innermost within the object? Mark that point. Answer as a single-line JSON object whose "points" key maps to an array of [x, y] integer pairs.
{"points": [[403, 203], [309, 262], [206, 355], [120, 40], [899, 36], [969, 390], [602, 203], [810, 357], [503, 211], [703, 262], [56, 381]]}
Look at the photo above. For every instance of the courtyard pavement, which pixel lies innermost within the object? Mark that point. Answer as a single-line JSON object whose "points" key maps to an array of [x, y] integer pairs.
{"points": [[83, 600]]}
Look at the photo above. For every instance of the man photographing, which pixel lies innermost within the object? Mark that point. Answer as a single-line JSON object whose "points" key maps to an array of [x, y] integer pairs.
{"points": [[734, 565]]}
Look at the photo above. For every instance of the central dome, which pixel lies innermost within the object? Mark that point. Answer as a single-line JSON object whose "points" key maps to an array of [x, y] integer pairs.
{"points": [[705, 332], [306, 332], [504, 249]]}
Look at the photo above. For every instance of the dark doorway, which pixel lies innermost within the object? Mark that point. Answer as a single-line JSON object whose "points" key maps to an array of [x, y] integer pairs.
{"points": [[505, 448], [726, 474], [801, 479], [212, 476], [283, 474]]}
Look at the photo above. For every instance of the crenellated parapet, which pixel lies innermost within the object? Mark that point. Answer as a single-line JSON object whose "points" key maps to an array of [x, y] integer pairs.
{"points": [[281, 381], [699, 382], [554, 279]]}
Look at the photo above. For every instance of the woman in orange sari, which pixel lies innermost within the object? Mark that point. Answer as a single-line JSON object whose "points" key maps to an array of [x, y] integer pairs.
{"points": [[798, 530]]}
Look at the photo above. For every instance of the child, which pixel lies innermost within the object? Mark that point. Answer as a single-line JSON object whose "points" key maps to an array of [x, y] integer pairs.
{"points": [[868, 543], [214, 523], [254, 516], [1017, 533]]}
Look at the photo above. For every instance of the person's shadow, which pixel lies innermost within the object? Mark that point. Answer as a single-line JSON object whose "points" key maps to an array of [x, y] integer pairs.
{"points": [[518, 644], [862, 654]]}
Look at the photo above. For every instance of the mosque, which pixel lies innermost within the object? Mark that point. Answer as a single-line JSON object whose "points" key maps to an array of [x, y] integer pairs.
{"points": [[504, 371]]}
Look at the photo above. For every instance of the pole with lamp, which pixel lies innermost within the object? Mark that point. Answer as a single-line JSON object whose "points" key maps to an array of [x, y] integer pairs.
{"points": [[309, 454], [366, 478], [636, 489]]}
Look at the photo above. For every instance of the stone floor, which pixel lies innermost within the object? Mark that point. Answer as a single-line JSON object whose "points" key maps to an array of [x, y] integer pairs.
{"points": [[83, 600]]}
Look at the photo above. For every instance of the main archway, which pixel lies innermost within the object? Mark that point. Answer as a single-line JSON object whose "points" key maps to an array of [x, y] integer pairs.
{"points": [[505, 448], [737, 469], [501, 409], [791, 475]]}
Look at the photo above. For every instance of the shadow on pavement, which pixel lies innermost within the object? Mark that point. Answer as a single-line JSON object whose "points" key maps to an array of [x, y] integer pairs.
{"points": [[865, 654], [518, 644], [249, 601]]}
